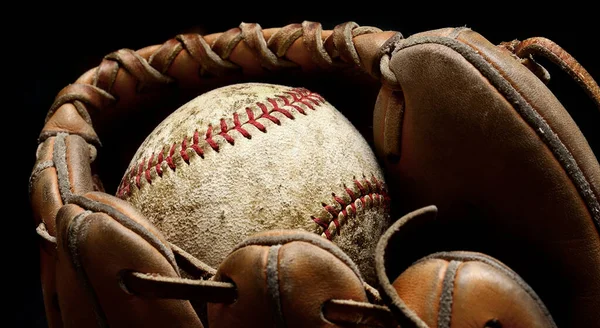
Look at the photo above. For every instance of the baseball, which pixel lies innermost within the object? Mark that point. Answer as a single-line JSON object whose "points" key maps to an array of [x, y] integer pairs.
{"points": [[252, 157]]}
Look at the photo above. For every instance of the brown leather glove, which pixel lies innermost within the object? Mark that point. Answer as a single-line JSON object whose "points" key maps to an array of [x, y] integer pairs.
{"points": [[474, 132], [459, 123]]}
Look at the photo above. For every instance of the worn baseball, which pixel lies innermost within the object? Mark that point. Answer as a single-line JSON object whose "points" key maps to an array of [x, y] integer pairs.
{"points": [[251, 157]]}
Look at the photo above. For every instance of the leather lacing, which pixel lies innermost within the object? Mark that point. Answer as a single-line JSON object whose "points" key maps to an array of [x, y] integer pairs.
{"points": [[539, 46], [335, 52], [149, 70]]}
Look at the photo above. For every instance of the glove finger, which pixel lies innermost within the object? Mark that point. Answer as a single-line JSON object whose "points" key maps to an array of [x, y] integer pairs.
{"points": [[100, 239], [289, 278], [458, 289], [61, 170], [450, 289]]}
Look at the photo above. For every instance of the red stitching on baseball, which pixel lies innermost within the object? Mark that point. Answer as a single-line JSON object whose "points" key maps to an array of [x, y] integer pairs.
{"points": [[183, 152], [210, 140], [238, 126], [337, 225], [224, 134], [253, 121], [359, 186], [319, 222], [195, 146], [339, 200], [148, 178], [169, 159], [286, 102], [300, 96], [374, 195], [266, 114], [353, 208], [350, 192], [137, 177], [369, 186], [279, 109], [157, 166], [330, 209]]}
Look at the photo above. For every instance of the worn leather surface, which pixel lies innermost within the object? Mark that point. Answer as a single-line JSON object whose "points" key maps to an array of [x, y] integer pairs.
{"points": [[484, 140], [285, 283], [464, 289], [61, 170], [94, 248]]}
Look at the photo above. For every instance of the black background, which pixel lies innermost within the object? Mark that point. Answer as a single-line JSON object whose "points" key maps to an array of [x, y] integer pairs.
{"points": [[53, 47]]}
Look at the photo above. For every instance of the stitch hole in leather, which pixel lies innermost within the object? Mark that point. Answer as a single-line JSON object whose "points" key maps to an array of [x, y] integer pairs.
{"points": [[493, 323]]}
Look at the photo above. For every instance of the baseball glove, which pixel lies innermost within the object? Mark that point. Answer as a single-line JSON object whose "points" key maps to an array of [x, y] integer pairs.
{"points": [[495, 184]]}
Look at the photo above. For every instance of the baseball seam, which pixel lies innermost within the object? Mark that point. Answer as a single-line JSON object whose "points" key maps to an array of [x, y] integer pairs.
{"points": [[142, 170], [370, 194]]}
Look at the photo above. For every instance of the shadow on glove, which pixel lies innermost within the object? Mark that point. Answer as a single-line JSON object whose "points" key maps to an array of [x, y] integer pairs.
{"points": [[450, 288]]}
